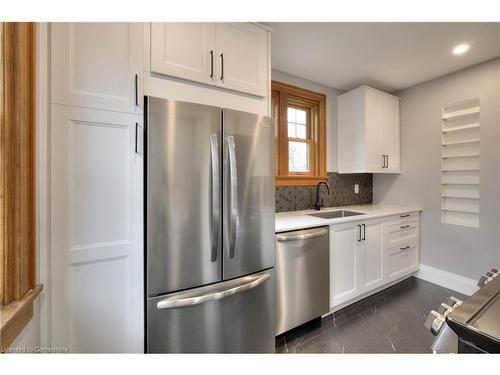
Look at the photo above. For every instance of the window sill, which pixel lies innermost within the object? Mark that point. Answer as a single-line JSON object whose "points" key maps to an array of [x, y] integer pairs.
{"points": [[299, 181], [15, 316]]}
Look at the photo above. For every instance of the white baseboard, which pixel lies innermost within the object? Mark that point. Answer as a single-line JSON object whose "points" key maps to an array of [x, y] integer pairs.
{"points": [[447, 279]]}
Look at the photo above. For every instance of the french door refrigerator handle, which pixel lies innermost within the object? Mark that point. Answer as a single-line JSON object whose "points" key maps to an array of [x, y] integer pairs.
{"points": [[215, 209], [189, 298], [233, 189]]}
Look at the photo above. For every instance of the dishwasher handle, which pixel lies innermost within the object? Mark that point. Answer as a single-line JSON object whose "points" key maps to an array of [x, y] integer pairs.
{"points": [[302, 235]]}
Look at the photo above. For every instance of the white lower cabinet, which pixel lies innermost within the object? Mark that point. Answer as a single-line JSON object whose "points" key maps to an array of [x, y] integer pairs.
{"points": [[345, 260], [366, 255], [372, 254], [96, 231]]}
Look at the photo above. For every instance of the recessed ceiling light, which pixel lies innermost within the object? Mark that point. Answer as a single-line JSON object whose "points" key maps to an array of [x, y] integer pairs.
{"points": [[461, 48]]}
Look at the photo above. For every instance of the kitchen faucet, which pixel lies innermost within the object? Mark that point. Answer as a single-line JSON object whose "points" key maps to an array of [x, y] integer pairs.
{"points": [[319, 204]]}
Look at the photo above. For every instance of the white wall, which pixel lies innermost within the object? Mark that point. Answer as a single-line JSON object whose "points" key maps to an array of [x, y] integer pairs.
{"points": [[461, 250], [331, 111]]}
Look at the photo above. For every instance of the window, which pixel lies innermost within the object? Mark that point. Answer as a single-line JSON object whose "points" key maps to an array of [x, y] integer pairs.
{"points": [[300, 135]]}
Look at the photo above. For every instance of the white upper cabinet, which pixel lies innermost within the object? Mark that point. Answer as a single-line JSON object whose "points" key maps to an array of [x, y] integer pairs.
{"points": [[234, 56], [242, 50], [98, 65], [368, 132], [184, 50]]}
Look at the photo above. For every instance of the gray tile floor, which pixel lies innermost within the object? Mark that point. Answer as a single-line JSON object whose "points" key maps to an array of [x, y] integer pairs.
{"points": [[391, 321]]}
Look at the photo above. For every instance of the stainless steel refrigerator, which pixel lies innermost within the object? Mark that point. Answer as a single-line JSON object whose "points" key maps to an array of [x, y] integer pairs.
{"points": [[210, 247]]}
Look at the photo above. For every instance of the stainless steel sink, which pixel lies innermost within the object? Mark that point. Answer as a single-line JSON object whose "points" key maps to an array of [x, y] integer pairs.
{"points": [[335, 214]]}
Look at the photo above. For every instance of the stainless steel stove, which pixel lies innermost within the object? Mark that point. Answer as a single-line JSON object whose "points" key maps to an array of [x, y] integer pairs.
{"points": [[470, 326]]}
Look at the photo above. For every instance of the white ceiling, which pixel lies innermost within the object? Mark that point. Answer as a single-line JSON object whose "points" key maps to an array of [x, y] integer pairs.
{"points": [[387, 56]]}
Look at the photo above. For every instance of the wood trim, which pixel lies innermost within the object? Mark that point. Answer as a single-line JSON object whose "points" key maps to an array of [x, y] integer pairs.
{"points": [[17, 160], [315, 103], [298, 91], [15, 316], [298, 180]]}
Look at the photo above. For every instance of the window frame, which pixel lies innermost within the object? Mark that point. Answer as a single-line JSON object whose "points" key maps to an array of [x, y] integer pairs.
{"points": [[283, 96]]}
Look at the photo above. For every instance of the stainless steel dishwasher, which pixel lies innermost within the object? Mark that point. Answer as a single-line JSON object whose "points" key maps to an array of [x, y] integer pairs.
{"points": [[302, 277]]}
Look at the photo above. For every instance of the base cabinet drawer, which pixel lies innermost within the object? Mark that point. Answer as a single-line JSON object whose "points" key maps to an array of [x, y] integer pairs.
{"points": [[402, 260], [401, 233], [403, 219]]}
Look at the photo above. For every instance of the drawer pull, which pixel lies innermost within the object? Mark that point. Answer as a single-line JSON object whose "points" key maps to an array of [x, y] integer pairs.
{"points": [[407, 215], [404, 248], [405, 226]]}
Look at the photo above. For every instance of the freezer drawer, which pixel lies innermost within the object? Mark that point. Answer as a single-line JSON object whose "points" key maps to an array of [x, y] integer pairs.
{"points": [[235, 316], [303, 277]]}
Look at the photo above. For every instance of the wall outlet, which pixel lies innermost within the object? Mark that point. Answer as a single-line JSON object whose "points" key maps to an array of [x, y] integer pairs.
{"points": [[356, 188]]}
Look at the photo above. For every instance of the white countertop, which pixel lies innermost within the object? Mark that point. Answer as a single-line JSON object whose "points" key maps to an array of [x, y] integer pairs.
{"points": [[286, 221]]}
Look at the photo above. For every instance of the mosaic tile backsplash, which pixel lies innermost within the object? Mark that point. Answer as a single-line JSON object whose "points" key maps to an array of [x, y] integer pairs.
{"points": [[296, 198]]}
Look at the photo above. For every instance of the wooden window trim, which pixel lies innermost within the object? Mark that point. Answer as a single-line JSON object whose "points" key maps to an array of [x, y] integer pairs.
{"points": [[17, 178], [284, 94]]}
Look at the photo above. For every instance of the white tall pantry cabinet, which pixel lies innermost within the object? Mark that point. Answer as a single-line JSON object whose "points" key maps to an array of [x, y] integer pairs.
{"points": [[368, 132], [96, 187]]}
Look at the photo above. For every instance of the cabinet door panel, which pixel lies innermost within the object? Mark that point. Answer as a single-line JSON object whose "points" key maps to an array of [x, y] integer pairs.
{"points": [[345, 277], [390, 122], [97, 241], [373, 256], [242, 58], [182, 50], [374, 132], [94, 65]]}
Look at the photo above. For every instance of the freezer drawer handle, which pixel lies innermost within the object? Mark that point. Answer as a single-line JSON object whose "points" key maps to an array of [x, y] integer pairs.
{"points": [[214, 158], [180, 300], [301, 236]]}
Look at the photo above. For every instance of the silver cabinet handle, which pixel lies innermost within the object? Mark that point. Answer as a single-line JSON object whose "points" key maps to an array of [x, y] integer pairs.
{"points": [[297, 236], [364, 232], [387, 161], [233, 196], [359, 232], [215, 209], [213, 292]]}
